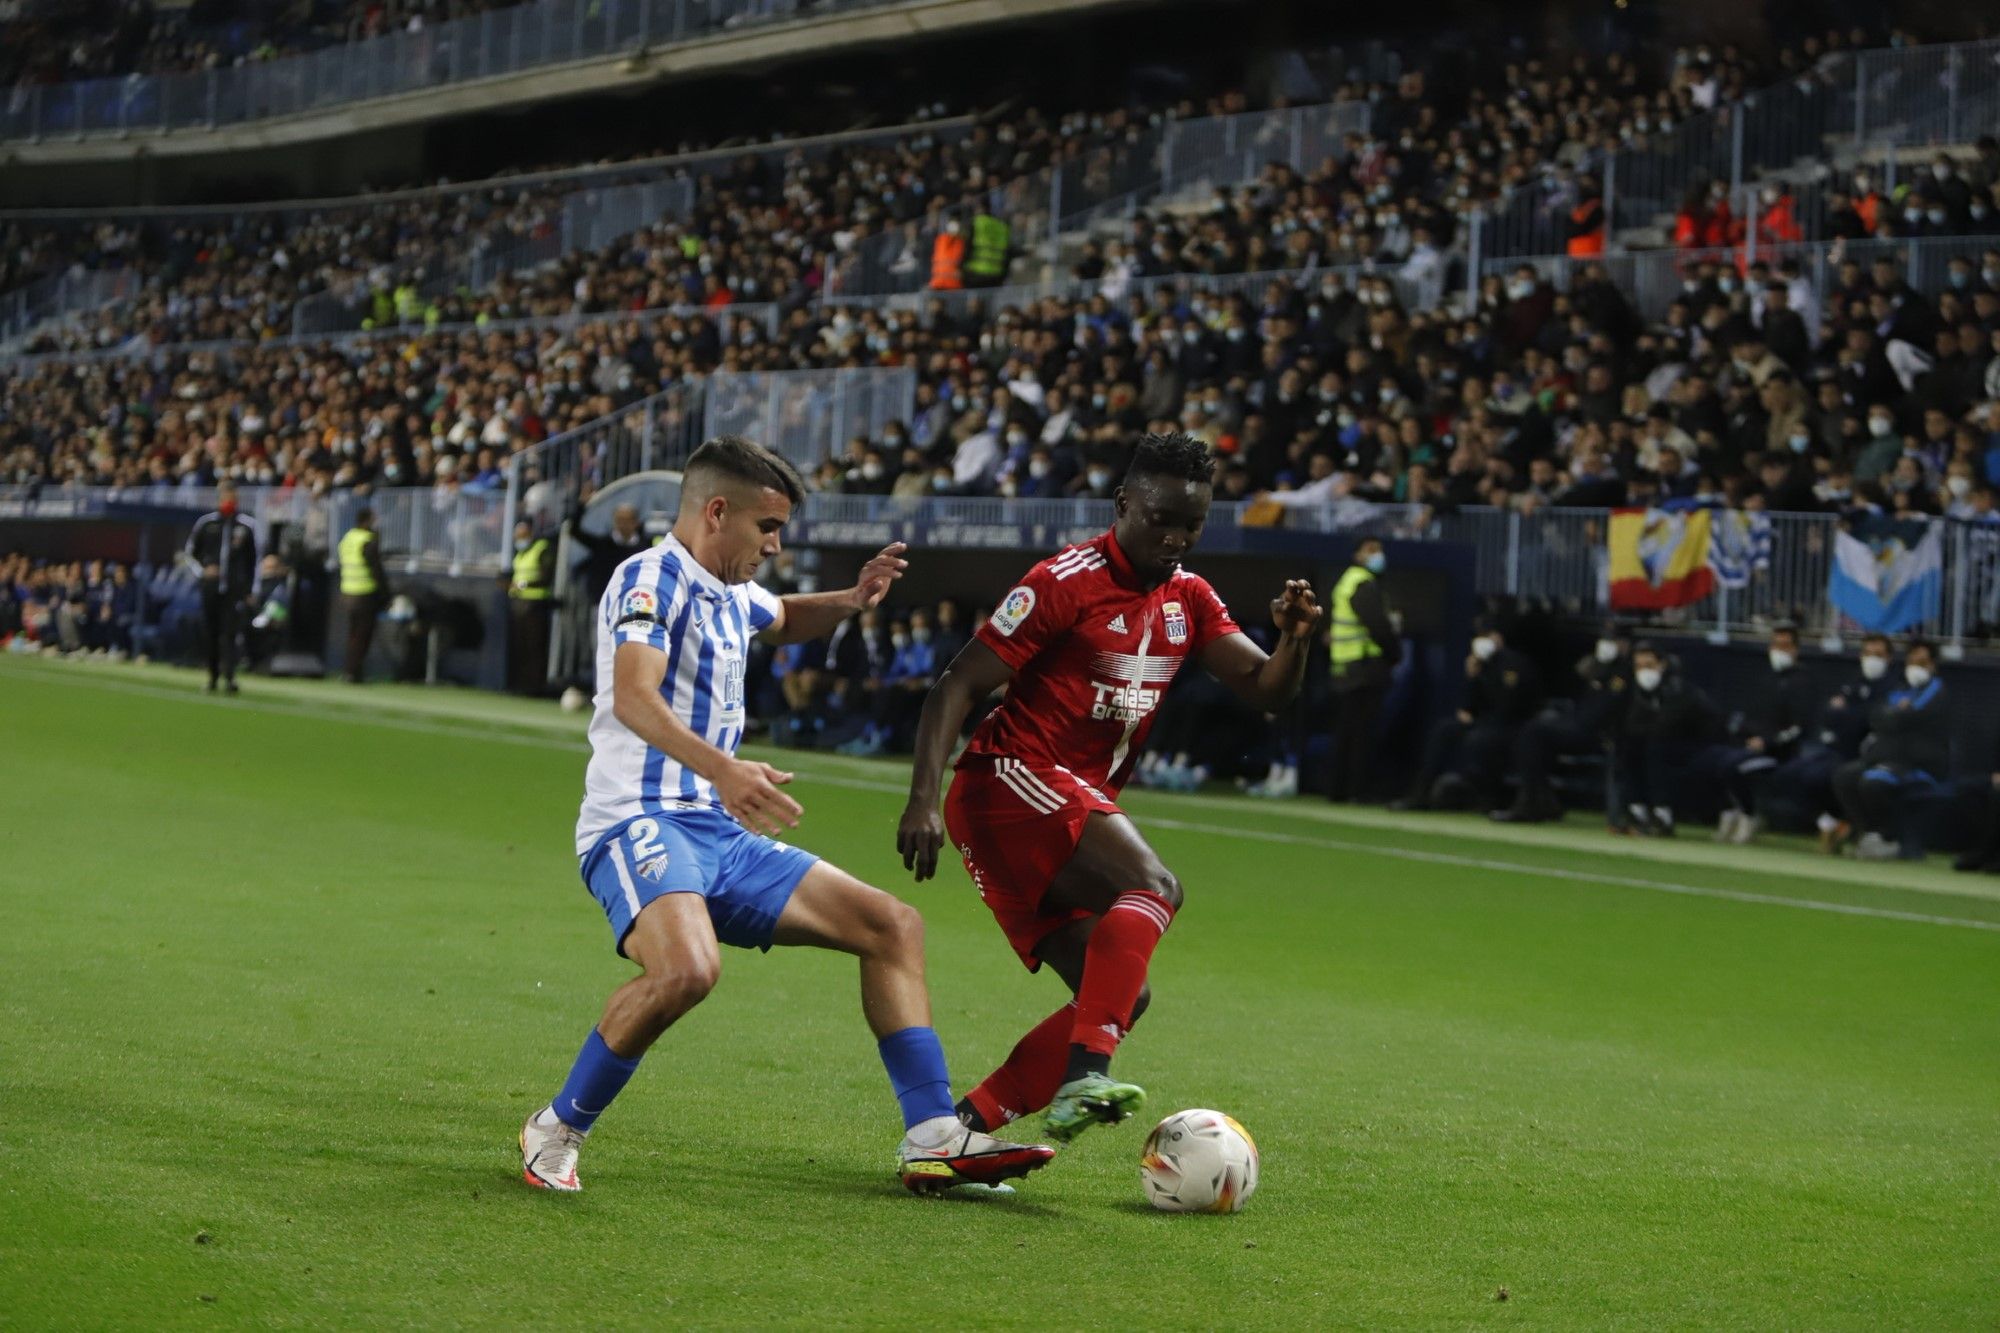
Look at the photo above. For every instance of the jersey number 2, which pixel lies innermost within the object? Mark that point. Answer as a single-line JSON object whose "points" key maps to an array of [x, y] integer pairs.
{"points": [[644, 834]]}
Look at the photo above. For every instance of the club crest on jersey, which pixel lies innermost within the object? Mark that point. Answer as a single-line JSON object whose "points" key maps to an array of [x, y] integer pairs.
{"points": [[1014, 609], [1176, 622], [639, 602], [654, 868]]}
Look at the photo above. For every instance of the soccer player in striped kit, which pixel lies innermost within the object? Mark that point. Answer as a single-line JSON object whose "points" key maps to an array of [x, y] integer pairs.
{"points": [[672, 838], [1086, 646]]}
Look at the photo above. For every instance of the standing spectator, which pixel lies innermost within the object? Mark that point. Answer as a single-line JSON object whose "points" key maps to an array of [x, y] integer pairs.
{"points": [[530, 599], [223, 547], [1364, 650], [364, 587]]}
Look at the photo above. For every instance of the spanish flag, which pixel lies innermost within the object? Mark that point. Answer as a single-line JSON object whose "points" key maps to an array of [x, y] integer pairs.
{"points": [[1659, 559]]}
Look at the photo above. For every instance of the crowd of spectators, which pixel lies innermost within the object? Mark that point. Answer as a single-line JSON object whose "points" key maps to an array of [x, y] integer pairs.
{"points": [[63, 41], [77, 607]]}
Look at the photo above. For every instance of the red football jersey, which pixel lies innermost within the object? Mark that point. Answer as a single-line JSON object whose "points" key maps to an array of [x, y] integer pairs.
{"points": [[1093, 653]]}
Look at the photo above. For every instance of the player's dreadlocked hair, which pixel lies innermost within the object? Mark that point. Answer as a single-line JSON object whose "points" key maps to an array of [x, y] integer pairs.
{"points": [[1182, 457]]}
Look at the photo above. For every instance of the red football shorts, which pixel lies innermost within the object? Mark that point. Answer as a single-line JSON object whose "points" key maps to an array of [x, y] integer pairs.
{"points": [[1017, 827]]}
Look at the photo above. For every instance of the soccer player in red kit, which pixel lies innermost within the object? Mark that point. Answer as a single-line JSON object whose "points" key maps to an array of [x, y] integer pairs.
{"points": [[1086, 646]]}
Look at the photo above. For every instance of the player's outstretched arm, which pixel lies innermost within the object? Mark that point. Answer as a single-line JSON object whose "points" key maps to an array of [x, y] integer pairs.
{"points": [[748, 790], [976, 672], [1269, 683], [813, 615]]}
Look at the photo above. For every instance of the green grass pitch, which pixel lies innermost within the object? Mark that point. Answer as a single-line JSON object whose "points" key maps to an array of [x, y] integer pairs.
{"points": [[282, 974]]}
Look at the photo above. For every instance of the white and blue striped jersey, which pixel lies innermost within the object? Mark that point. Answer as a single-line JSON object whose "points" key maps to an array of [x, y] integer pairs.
{"points": [[664, 598]]}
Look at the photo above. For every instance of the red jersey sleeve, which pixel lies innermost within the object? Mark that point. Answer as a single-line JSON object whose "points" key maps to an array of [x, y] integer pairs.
{"points": [[1032, 617], [1212, 620]]}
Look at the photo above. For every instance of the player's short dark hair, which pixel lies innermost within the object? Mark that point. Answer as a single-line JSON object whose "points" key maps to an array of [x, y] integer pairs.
{"points": [[744, 460], [1172, 454]]}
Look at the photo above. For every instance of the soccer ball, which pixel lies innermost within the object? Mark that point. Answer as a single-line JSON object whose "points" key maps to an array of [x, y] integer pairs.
{"points": [[574, 700], [1199, 1162]]}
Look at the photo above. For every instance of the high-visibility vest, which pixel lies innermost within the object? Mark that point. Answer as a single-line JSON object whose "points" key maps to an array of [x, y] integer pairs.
{"points": [[1587, 244], [947, 257], [989, 247], [356, 578], [528, 584], [1351, 640]]}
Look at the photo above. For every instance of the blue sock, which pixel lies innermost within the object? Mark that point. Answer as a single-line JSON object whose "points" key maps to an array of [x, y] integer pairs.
{"points": [[914, 1058], [597, 1076]]}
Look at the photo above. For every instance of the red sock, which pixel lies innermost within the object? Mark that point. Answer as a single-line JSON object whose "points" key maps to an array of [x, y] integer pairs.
{"points": [[1028, 1079], [1114, 968]]}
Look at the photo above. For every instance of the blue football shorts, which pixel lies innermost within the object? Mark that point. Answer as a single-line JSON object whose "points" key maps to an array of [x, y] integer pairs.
{"points": [[746, 878]]}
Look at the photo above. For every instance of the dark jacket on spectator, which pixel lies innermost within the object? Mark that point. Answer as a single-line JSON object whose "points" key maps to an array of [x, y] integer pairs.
{"points": [[1777, 714], [1507, 689], [1910, 731], [1678, 710]]}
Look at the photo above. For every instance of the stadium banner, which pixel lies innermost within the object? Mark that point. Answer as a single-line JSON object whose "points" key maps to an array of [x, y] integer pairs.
{"points": [[1888, 575], [1659, 559]]}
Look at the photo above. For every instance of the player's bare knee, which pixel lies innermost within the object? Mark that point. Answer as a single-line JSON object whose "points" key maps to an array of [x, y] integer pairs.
{"points": [[672, 991], [900, 932], [1162, 881]]}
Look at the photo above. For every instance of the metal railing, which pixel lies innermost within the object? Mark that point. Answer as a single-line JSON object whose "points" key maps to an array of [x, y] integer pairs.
{"points": [[485, 46], [434, 529], [1652, 279], [1924, 94], [1776, 567], [1103, 181], [60, 296]]}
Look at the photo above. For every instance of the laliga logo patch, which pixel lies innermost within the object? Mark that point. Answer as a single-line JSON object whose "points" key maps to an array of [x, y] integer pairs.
{"points": [[654, 868], [639, 602], [1013, 610], [1176, 622]]}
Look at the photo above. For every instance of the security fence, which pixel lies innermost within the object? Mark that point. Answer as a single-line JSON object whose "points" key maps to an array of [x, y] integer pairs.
{"points": [[60, 296], [1101, 182], [1768, 567], [498, 42]]}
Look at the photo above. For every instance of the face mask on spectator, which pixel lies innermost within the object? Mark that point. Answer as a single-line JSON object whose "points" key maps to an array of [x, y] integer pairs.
{"points": [[1607, 651], [1941, 170], [899, 640], [1874, 666], [1937, 216], [1961, 279], [1726, 283], [1484, 647], [1960, 487], [1520, 289], [921, 635], [1017, 437], [1990, 276], [1781, 660], [1038, 468], [1880, 427], [1800, 441], [1918, 676], [1098, 477], [871, 472], [939, 483]]}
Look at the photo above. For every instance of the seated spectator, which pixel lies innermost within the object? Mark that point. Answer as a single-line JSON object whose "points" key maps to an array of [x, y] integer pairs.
{"points": [[1908, 752], [1589, 724], [1667, 719], [1763, 734], [1833, 738], [1465, 756]]}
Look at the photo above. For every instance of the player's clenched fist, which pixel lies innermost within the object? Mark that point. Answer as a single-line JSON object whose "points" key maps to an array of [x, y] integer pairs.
{"points": [[1296, 612], [749, 792], [919, 834]]}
